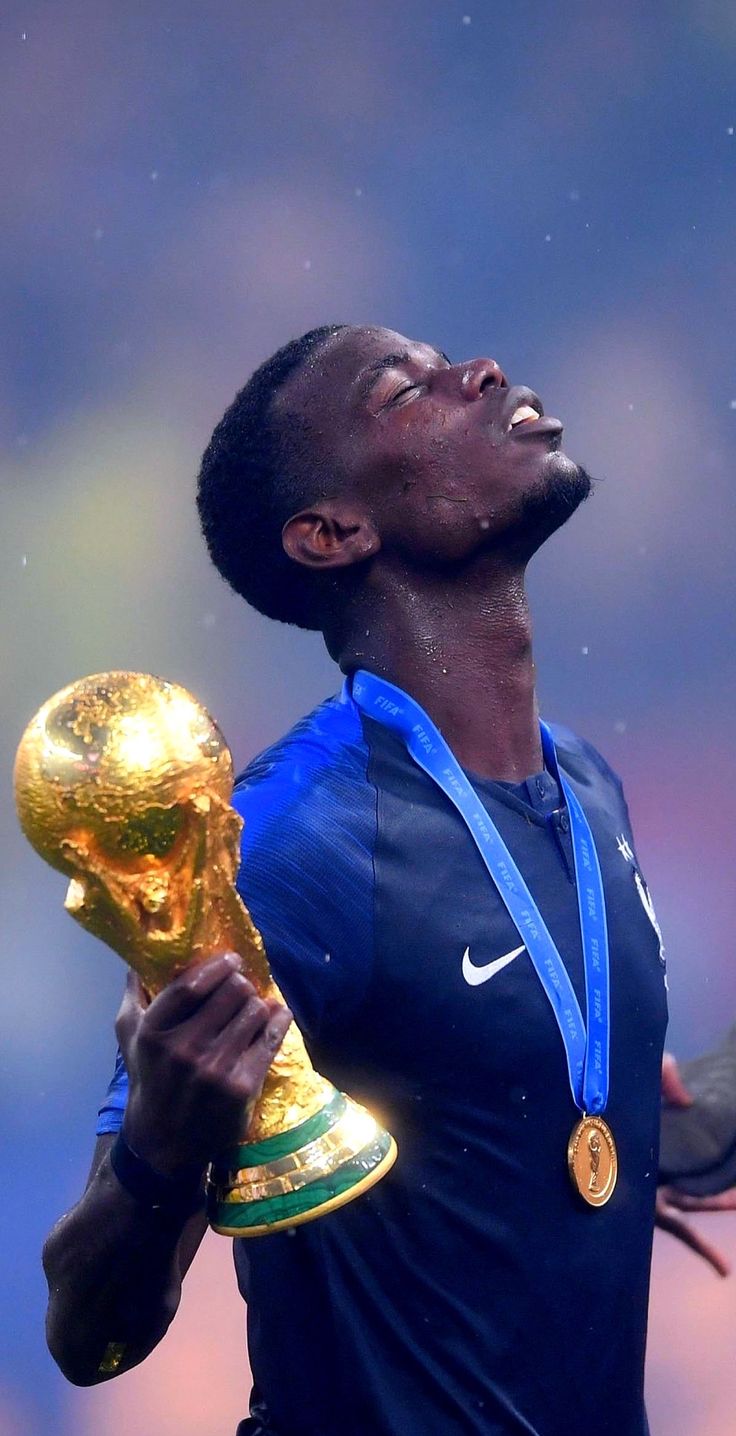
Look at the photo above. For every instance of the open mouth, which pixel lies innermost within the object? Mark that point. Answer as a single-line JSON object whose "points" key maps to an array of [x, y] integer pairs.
{"points": [[524, 414]]}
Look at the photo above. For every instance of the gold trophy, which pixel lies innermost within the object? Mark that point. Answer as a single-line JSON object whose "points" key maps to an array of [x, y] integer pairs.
{"points": [[123, 783]]}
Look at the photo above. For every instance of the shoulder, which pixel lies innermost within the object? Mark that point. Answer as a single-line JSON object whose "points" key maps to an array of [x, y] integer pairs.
{"points": [[308, 798], [306, 872], [582, 761]]}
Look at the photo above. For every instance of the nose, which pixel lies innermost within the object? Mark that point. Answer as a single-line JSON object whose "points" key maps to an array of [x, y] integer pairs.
{"points": [[482, 374]]}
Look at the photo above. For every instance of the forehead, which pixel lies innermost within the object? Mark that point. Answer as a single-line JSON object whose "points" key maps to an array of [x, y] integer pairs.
{"points": [[338, 368]]}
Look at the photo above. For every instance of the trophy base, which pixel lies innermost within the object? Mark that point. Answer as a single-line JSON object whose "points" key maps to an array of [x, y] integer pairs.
{"points": [[263, 1187]]}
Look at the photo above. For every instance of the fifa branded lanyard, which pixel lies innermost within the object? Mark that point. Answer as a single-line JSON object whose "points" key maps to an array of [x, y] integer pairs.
{"points": [[592, 1159]]}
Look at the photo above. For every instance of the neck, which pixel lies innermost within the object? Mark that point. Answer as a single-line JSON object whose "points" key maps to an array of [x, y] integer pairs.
{"points": [[463, 650]]}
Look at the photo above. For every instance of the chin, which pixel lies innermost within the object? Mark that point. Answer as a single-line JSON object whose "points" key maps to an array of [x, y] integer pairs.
{"points": [[550, 502]]}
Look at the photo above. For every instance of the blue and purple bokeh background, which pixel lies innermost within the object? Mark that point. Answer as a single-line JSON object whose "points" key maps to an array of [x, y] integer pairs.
{"points": [[187, 186]]}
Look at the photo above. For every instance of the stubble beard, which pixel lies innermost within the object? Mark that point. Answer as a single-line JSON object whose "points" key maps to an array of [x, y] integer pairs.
{"points": [[552, 501]]}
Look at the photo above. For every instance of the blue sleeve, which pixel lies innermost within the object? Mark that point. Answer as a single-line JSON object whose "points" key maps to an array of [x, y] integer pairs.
{"points": [[110, 1115], [306, 877], [306, 873]]}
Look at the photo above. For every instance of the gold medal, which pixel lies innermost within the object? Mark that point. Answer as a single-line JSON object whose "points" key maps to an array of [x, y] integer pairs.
{"points": [[592, 1160]]}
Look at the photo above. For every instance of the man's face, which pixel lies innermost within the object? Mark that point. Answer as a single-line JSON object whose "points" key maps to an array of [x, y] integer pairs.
{"points": [[446, 458]]}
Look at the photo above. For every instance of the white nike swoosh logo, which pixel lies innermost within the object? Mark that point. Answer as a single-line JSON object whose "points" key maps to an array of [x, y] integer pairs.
{"points": [[475, 975]]}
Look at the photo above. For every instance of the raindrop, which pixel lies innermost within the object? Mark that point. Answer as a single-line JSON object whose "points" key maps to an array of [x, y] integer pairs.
{"points": [[466, 19], [729, 131], [328, 957], [732, 404], [24, 36], [547, 238], [208, 620], [631, 408], [585, 650], [620, 726], [307, 264], [97, 234], [574, 195], [24, 561], [154, 175], [358, 192]]}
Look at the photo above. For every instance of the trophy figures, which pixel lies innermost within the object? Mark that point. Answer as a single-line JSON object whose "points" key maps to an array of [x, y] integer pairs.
{"points": [[123, 783]]}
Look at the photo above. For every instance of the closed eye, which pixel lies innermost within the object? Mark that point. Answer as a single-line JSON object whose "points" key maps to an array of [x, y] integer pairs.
{"points": [[401, 393]]}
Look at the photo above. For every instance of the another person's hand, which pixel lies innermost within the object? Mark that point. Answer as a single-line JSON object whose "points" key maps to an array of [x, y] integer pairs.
{"points": [[671, 1203], [196, 1057]]}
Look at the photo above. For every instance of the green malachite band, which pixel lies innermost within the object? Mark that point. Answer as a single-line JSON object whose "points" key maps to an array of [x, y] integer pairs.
{"points": [[291, 1204], [253, 1154]]}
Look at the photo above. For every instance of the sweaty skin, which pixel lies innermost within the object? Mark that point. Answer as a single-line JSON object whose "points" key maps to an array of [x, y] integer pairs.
{"points": [[441, 506]]}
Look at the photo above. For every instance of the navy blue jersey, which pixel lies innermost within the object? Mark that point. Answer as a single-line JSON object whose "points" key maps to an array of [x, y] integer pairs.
{"points": [[471, 1292]]}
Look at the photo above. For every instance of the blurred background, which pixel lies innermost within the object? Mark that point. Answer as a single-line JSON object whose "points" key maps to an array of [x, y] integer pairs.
{"points": [[186, 186]]}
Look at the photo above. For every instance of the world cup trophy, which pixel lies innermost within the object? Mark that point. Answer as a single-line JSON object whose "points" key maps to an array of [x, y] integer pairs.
{"points": [[123, 782]]}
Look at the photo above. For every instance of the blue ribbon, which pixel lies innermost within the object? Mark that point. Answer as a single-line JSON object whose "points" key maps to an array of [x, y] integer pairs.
{"points": [[587, 1052]]}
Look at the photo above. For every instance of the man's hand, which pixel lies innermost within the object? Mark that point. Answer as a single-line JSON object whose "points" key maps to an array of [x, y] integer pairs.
{"points": [[670, 1202], [196, 1057]]}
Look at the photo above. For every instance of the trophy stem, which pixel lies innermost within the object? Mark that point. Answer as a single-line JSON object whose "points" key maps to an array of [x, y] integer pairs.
{"points": [[308, 1148]]}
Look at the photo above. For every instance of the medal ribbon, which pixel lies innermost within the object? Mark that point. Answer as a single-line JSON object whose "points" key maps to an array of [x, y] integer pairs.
{"points": [[587, 1052]]}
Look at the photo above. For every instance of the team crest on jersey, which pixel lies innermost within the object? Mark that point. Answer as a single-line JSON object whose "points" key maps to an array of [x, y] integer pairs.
{"points": [[648, 906]]}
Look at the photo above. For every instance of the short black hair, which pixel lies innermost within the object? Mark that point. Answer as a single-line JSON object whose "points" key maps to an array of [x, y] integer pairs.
{"points": [[256, 472]]}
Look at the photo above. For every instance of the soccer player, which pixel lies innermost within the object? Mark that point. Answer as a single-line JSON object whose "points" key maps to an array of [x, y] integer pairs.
{"points": [[364, 485]]}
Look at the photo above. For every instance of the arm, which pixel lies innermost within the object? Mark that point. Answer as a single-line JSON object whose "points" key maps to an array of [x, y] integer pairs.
{"points": [[196, 1056]]}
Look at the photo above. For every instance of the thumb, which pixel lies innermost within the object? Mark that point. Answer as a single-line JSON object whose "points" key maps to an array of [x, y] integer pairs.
{"points": [[674, 1090], [131, 1010]]}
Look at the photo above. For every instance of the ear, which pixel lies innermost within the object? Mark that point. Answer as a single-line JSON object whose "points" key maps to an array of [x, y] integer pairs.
{"points": [[333, 534]]}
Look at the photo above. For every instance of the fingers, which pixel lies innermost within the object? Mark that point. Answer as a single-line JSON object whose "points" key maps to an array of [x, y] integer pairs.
{"points": [[669, 1220], [250, 1053], [719, 1202], [235, 996], [674, 1090], [189, 989], [260, 1024]]}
